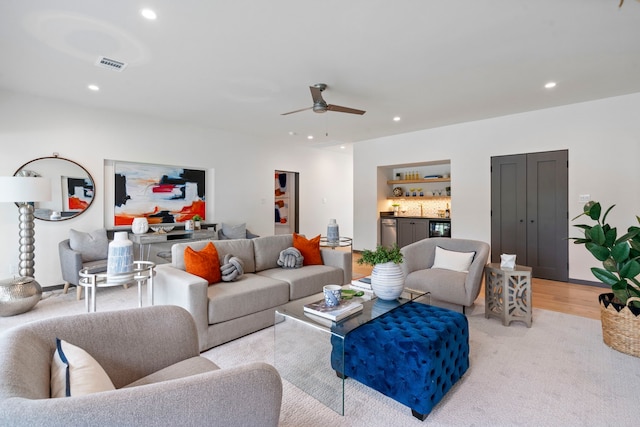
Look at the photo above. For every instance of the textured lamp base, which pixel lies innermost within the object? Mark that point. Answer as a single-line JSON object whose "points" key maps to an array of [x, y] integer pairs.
{"points": [[18, 295]]}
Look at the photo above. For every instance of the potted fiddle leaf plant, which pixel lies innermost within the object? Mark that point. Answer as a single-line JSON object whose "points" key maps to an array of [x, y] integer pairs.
{"points": [[387, 278], [620, 258]]}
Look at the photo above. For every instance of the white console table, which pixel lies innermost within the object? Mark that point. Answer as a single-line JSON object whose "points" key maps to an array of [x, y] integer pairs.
{"points": [[144, 241]]}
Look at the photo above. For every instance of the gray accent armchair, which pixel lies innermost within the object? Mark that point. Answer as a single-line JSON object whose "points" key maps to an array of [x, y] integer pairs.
{"points": [[71, 263], [450, 289], [151, 355]]}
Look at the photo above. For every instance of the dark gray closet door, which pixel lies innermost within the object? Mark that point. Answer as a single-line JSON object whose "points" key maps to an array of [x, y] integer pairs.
{"points": [[529, 211]]}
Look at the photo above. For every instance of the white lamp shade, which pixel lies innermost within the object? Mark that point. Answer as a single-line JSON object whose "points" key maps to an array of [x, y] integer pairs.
{"points": [[24, 189]]}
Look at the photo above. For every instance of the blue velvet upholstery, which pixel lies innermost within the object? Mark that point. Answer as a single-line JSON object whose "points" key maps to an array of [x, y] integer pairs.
{"points": [[413, 354]]}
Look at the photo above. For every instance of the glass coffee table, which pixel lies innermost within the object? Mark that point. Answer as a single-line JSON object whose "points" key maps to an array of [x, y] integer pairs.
{"points": [[303, 344]]}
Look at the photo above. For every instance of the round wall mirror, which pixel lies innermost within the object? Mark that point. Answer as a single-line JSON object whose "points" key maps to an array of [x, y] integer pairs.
{"points": [[72, 187]]}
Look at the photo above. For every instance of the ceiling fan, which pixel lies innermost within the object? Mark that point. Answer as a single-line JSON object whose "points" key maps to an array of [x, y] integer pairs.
{"points": [[320, 105]]}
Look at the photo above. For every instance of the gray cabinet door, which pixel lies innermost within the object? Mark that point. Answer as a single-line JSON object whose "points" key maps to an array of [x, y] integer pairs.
{"points": [[405, 232], [411, 230], [420, 229], [529, 211]]}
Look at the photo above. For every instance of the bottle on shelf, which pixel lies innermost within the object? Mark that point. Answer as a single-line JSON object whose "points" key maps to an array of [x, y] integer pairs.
{"points": [[447, 212]]}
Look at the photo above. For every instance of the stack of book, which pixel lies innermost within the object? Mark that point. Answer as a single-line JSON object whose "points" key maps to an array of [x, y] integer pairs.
{"points": [[343, 310], [363, 284]]}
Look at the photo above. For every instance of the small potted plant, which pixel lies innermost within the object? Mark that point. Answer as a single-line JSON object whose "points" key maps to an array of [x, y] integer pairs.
{"points": [[197, 219], [387, 278], [620, 309]]}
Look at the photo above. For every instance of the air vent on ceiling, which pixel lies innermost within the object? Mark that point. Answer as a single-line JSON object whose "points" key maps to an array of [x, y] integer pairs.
{"points": [[111, 64]]}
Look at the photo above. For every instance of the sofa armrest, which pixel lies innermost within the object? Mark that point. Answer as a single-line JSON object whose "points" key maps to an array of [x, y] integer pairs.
{"points": [[173, 286], [248, 395], [339, 259], [70, 262]]}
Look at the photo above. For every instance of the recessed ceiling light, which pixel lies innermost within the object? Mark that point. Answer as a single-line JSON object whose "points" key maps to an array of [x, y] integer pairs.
{"points": [[550, 85], [94, 88], [342, 147], [292, 133], [396, 119], [149, 14], [310, 137]]}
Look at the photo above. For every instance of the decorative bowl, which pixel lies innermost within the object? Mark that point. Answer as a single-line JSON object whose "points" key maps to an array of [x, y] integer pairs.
{"points": [[162, 228]]}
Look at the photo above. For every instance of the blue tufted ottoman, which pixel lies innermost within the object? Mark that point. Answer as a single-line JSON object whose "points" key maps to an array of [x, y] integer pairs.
{"points": [[413, 354]]}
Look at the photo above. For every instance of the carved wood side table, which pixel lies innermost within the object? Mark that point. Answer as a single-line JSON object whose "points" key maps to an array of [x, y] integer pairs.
{"points": [[508, 293]]}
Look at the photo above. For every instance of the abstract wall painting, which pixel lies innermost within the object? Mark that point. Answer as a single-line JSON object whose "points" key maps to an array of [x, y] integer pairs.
{"points": [[162, 194], [77, 193]]}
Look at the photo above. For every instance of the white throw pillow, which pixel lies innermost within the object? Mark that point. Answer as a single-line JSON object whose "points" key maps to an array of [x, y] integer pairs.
{"points": [[75, 373], [452, 260]]}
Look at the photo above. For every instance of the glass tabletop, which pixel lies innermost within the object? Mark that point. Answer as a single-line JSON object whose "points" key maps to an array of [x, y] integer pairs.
{"points": [[308, 348]]}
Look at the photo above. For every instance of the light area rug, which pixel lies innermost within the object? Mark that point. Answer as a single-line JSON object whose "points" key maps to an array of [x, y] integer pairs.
{"points": [[556, 373]]}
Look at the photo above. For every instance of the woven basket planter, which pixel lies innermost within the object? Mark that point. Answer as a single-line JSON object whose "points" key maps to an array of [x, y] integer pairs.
{"points": [[620, 325]]}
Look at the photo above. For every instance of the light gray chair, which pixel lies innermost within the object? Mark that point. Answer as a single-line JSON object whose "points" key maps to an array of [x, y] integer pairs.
{"points": [[83, 251], [234, 231], [448, 288], [71, 263], [155, 347]]}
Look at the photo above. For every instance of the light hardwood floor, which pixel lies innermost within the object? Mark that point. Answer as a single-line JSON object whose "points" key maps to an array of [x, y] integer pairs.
{"points": [[579, 300]]}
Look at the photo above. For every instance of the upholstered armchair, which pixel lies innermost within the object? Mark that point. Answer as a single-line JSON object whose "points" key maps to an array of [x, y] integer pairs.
{"points": [[82, 250], [450, 269], [234, 231], [151, 356]]}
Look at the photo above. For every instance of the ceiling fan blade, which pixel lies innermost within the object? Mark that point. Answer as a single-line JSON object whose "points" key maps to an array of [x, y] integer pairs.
{"points": [[296, 111], [344, 109], [316, 94]]}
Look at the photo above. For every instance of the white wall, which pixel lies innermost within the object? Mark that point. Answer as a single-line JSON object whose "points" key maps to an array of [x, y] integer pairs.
{"points": [[603, 139], [243, 166]]}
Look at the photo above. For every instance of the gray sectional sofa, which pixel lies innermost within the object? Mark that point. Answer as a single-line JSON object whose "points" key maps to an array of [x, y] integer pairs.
{"points": [[229, 310]]}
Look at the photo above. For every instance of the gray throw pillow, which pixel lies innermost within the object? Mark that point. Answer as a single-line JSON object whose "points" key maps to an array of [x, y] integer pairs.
{"points": [[238, 231], [92, 246]]}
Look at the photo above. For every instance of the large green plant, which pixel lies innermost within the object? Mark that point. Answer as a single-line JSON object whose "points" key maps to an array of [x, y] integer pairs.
{"points": [[381, 255], [620, 256]]}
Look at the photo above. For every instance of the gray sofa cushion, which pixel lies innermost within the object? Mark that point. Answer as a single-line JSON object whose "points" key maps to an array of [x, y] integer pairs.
{"points": [[242, 249], [92, 246], [249, 294], [306, 280], [445, 285], [185, 368], [268, 250]]}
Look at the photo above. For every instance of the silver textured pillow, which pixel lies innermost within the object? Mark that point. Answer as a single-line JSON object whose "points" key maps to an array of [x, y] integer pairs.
{"points": [[93, 246], [238, 231]]}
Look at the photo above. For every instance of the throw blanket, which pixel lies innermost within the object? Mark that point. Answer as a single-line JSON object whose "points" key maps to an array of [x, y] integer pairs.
{"points": [[231, 268], [290, 258]]}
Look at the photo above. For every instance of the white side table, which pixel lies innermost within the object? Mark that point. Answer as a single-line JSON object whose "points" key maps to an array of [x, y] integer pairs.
{"points": [[508, 293], [143, 272]]}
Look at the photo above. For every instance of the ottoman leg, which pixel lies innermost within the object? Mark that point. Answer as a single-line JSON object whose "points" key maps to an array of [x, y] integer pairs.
{"points": [[418, 415], [341, 375]]}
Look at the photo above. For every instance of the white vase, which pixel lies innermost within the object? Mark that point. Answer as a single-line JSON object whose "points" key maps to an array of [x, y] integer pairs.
{"points": [[120, 257], [333, 232], [387, 280], [140, 225]]}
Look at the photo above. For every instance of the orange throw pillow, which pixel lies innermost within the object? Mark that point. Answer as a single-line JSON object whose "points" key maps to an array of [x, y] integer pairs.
{"points": [[309, 248], [204, 263]]}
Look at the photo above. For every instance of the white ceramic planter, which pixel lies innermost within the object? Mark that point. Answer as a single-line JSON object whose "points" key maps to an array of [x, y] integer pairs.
{"points": [[387, 280], [140, 225]]}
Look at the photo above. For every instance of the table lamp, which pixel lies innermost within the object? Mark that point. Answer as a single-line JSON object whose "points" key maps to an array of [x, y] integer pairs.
{"points": [[21, 294]]}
